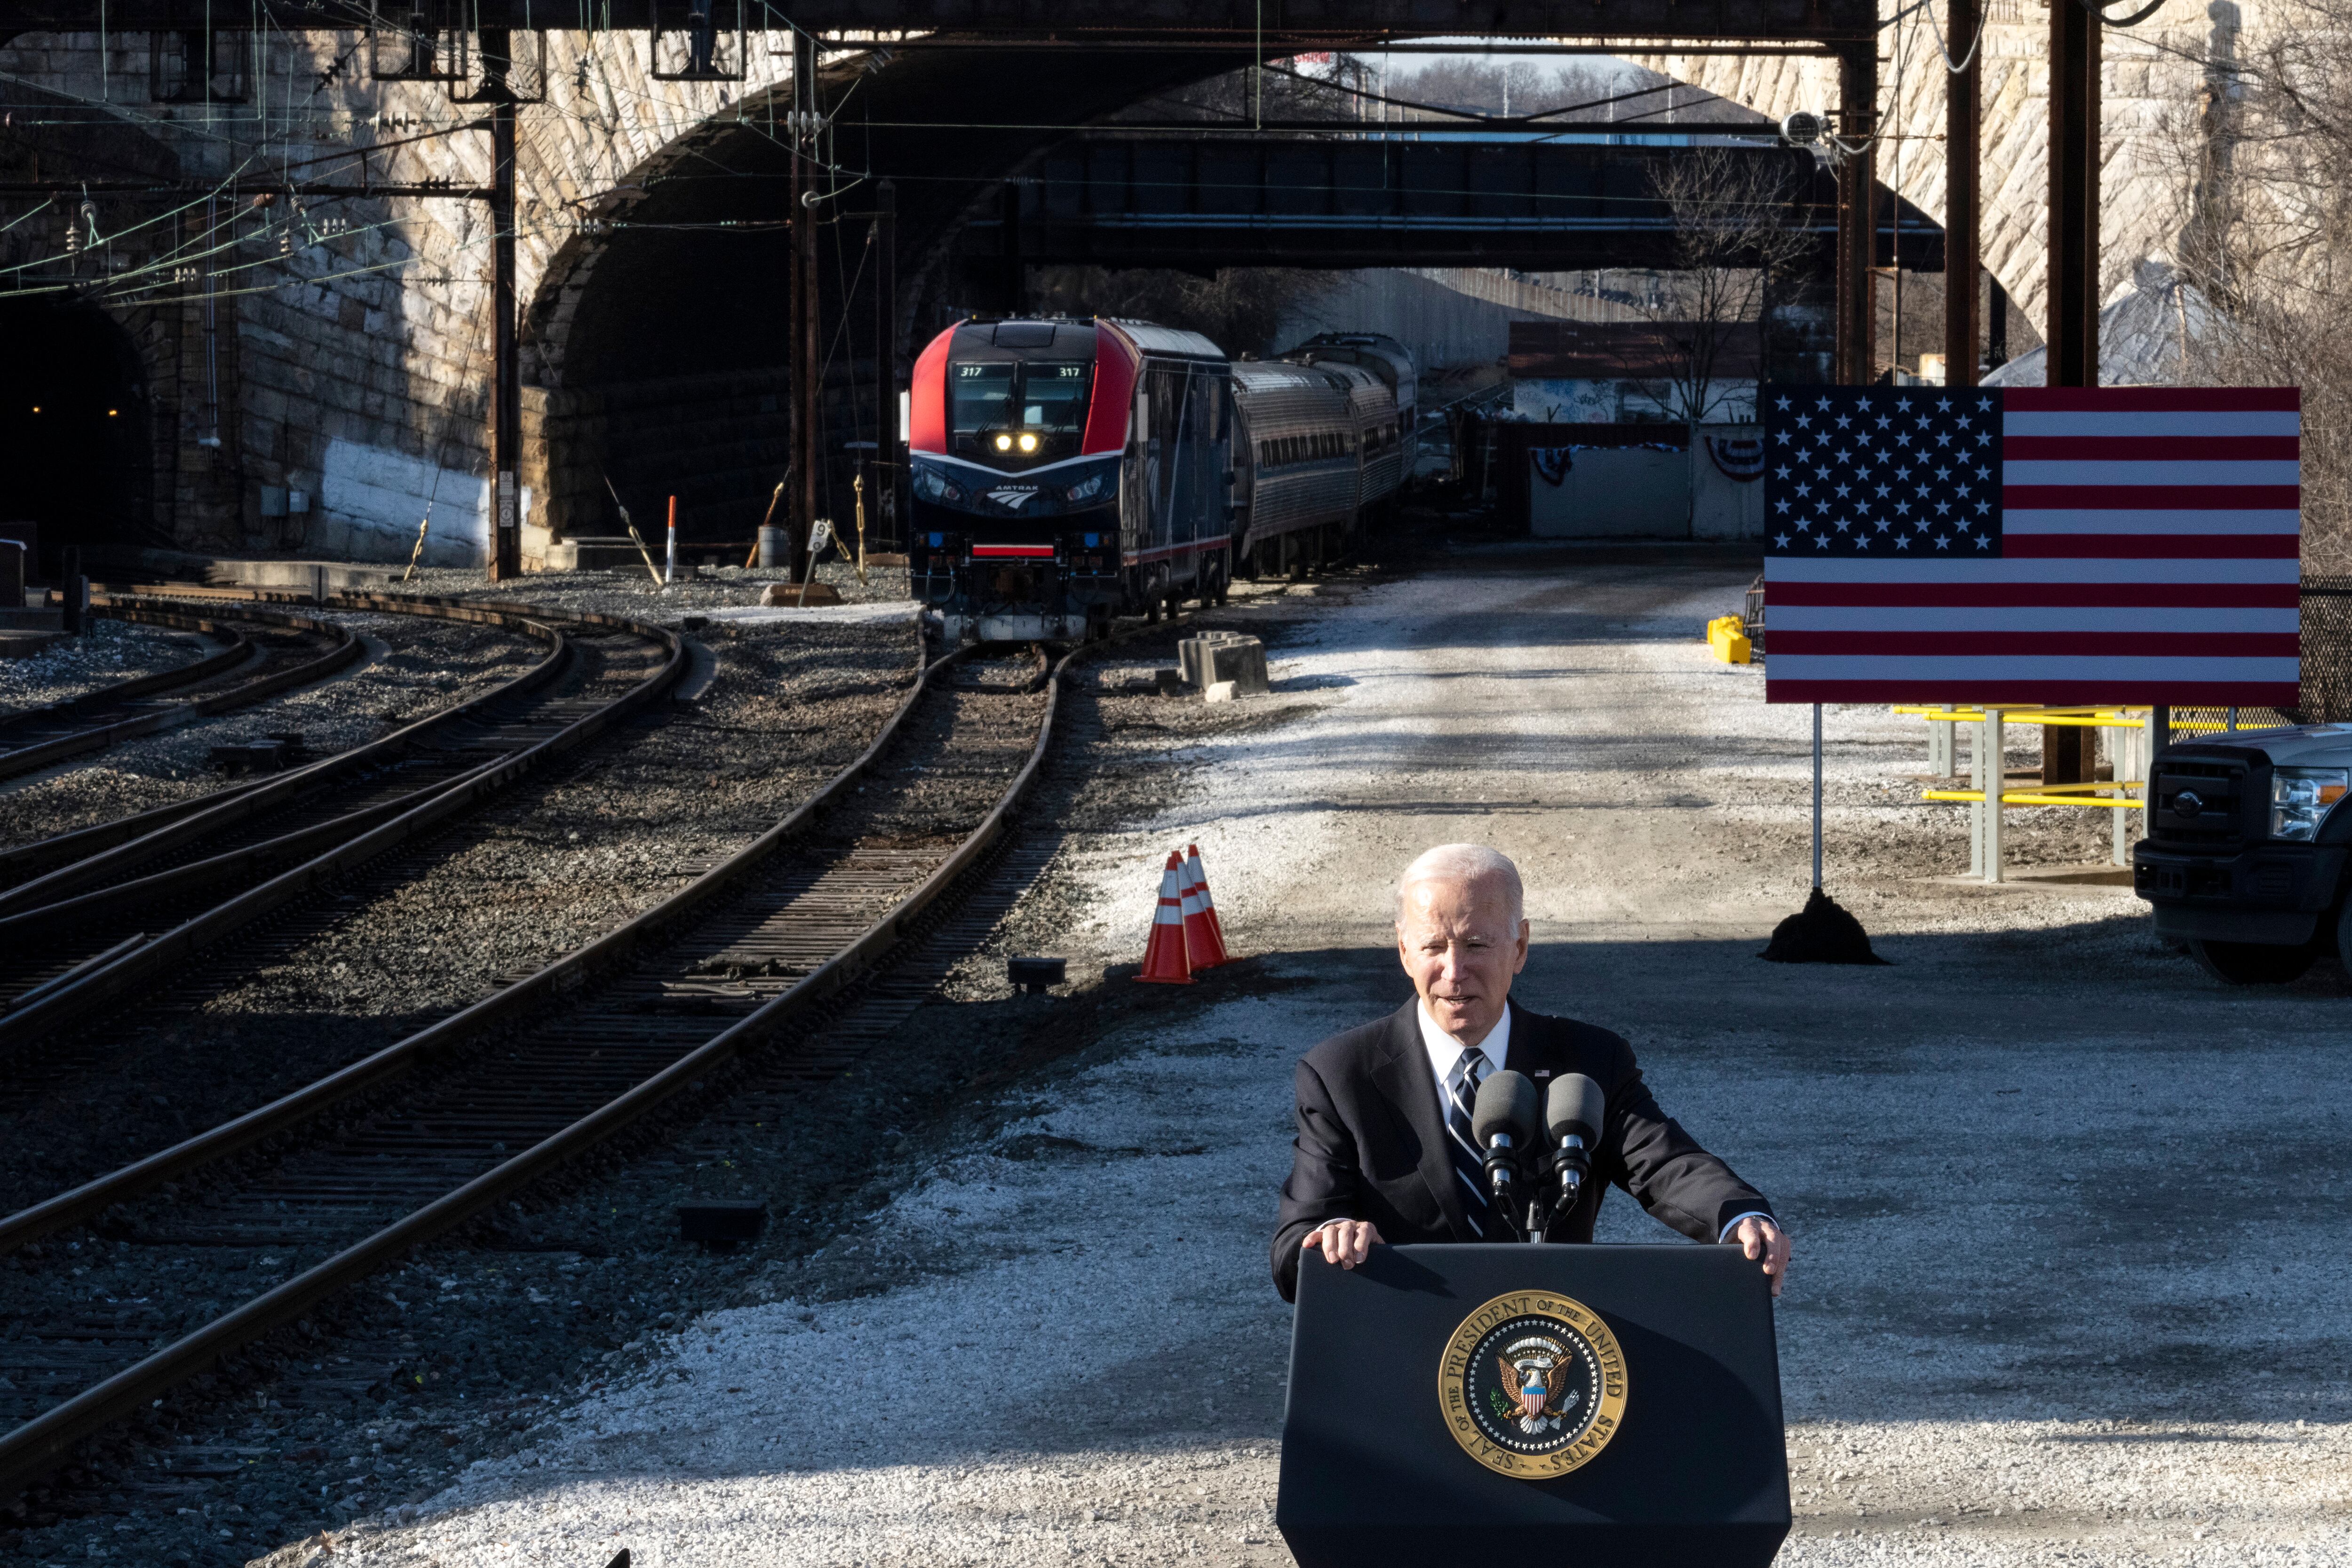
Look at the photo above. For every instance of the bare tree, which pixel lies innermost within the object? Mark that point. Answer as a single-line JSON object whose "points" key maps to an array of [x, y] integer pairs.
{"points": [[2264, 160], [1240, 309], [1738, 242]]}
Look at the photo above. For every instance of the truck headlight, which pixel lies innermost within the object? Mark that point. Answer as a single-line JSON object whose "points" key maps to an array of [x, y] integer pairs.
{"points": [[2301, 799]]}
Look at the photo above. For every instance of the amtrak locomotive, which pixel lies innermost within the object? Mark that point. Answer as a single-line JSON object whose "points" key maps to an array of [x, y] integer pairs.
{"points": [[1063, 472]]}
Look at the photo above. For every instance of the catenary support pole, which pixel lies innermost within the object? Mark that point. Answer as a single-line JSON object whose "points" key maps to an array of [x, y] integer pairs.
{"points": [[806, 384], [506, 414], [886, 365], [1962, 222], [1857, 311], [2074, 45], [1817, 797]]}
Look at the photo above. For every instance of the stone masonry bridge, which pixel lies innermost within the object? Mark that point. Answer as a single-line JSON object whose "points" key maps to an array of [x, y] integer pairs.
{"points": [[334, 345]]}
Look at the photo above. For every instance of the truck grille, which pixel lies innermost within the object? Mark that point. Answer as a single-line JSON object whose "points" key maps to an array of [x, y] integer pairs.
{"points": [[2200, 806]]}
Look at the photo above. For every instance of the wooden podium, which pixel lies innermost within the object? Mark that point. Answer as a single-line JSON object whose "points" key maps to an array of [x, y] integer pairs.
{"points": [[1591, 1406]]}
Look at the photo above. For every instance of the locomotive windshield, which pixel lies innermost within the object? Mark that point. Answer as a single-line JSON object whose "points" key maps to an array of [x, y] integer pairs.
{"points": [[1053, 396], [1047, 397], [983, 394]]}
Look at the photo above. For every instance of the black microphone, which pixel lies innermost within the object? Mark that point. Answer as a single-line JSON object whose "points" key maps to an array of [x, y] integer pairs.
{"points": [[1572, 1117], [1504, 1122]]}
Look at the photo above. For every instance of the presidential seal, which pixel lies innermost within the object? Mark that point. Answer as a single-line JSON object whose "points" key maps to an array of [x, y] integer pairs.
{"points": [[1532, 1384]]}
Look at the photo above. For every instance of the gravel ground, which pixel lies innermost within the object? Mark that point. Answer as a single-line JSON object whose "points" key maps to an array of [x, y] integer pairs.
{"points": [[109, 652], [2068, 1280], [616, 592], [551, 864], [416, 666]]}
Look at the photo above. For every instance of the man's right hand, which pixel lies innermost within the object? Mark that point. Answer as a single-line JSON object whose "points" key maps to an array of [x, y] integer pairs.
{"points": [[1346, 1241]]}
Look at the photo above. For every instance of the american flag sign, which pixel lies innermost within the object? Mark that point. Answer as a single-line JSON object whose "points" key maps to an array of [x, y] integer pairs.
{"points": [[2054, 546]]}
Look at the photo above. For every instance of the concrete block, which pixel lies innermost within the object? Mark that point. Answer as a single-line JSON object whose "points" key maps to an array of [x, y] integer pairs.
{"points": [[1191, 655], [1219, 691], [1240, 664]]}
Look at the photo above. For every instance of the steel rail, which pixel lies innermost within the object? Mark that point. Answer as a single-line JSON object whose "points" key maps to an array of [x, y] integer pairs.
{"points": [[89, 854], [557, 979], [217, 663], [346, 648], [99, 988], [41, 1444]]}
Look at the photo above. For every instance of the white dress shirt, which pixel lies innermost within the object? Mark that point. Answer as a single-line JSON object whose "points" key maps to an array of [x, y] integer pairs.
{"points": [[1445, 1050]]}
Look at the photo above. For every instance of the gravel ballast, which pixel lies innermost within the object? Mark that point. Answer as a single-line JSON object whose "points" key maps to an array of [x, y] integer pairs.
{"points": [[107, 653], [415, 667], [560, 858]]}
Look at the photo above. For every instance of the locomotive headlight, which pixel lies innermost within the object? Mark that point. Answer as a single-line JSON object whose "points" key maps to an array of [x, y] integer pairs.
{"points": [[2301, 799], [1004, 443], [1087, 490], [1028, 442]]}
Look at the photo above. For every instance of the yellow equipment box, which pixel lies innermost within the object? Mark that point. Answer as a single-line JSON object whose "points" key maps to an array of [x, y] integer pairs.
{"points": [[1727, 636]]}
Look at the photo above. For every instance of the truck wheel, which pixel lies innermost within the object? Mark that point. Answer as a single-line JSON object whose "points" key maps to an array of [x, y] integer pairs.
{"points": [[2251, 962]]}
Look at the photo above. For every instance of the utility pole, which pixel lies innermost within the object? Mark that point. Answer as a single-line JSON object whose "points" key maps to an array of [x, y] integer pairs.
{"points": [[2074, 46], [887, 463], [505, 412], [1962, 225], [806, 439], [1857, 241]]}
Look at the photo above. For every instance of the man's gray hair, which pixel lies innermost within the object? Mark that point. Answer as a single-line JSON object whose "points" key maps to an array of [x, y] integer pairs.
{"points": [[1465, 863]]}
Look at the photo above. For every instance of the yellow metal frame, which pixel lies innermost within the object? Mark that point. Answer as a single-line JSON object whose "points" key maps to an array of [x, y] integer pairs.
{"points": [[2045, 794], [2077, 717]]}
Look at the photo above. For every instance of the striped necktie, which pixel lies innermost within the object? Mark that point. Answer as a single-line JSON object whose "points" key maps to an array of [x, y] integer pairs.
{"points": [[1470, 1069]]}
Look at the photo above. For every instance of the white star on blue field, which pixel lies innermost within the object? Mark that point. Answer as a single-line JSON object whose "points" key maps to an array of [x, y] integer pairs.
{"points": [[1882, 470]]}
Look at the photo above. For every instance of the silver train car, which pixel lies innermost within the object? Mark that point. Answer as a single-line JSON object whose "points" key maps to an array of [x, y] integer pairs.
{"points": [[1323, 444]]}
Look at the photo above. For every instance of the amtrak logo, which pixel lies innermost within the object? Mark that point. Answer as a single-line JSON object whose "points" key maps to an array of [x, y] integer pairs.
{"points": [[1012, 500]]}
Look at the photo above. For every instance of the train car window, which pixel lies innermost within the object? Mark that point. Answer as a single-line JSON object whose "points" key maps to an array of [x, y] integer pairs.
{"points": [[982, 396], [1053, 395]]}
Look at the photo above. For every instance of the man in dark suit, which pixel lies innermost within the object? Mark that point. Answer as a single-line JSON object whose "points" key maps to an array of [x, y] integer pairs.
{"points": [[1384, 1150]]}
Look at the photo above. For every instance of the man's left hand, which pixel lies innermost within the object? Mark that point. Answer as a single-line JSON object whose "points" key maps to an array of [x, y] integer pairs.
{"points": [[1760, 1237]]}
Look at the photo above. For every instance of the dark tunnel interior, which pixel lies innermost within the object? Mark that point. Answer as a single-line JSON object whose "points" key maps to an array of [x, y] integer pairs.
{"points": [[75, 448]]}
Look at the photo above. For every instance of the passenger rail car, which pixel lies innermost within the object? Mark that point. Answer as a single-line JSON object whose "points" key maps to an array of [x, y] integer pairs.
{"points": [[1393, 363], [1063, 472]]}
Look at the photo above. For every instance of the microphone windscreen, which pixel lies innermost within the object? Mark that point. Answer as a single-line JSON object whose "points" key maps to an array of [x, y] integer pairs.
{"points": [[1576, 1105], [1506, 1103]]}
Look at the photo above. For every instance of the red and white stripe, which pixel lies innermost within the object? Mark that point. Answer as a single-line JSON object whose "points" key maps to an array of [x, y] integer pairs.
{"points": [[2150, 542]]}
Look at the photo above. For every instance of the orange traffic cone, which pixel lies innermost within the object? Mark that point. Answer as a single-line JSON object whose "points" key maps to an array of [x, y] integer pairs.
{"points": [[1163, 956], [1204, 941]]}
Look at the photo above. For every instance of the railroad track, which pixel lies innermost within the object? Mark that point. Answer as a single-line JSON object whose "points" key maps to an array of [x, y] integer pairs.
{"points": [[87, 915], [346, 1175], [268, 652]]}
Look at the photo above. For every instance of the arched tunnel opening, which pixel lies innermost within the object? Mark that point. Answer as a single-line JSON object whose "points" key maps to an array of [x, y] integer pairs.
{"points": [[662, 346], [74, 447]]}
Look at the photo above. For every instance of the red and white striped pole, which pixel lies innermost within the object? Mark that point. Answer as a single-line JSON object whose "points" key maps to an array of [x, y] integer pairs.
{"points": [[669, 569]]}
